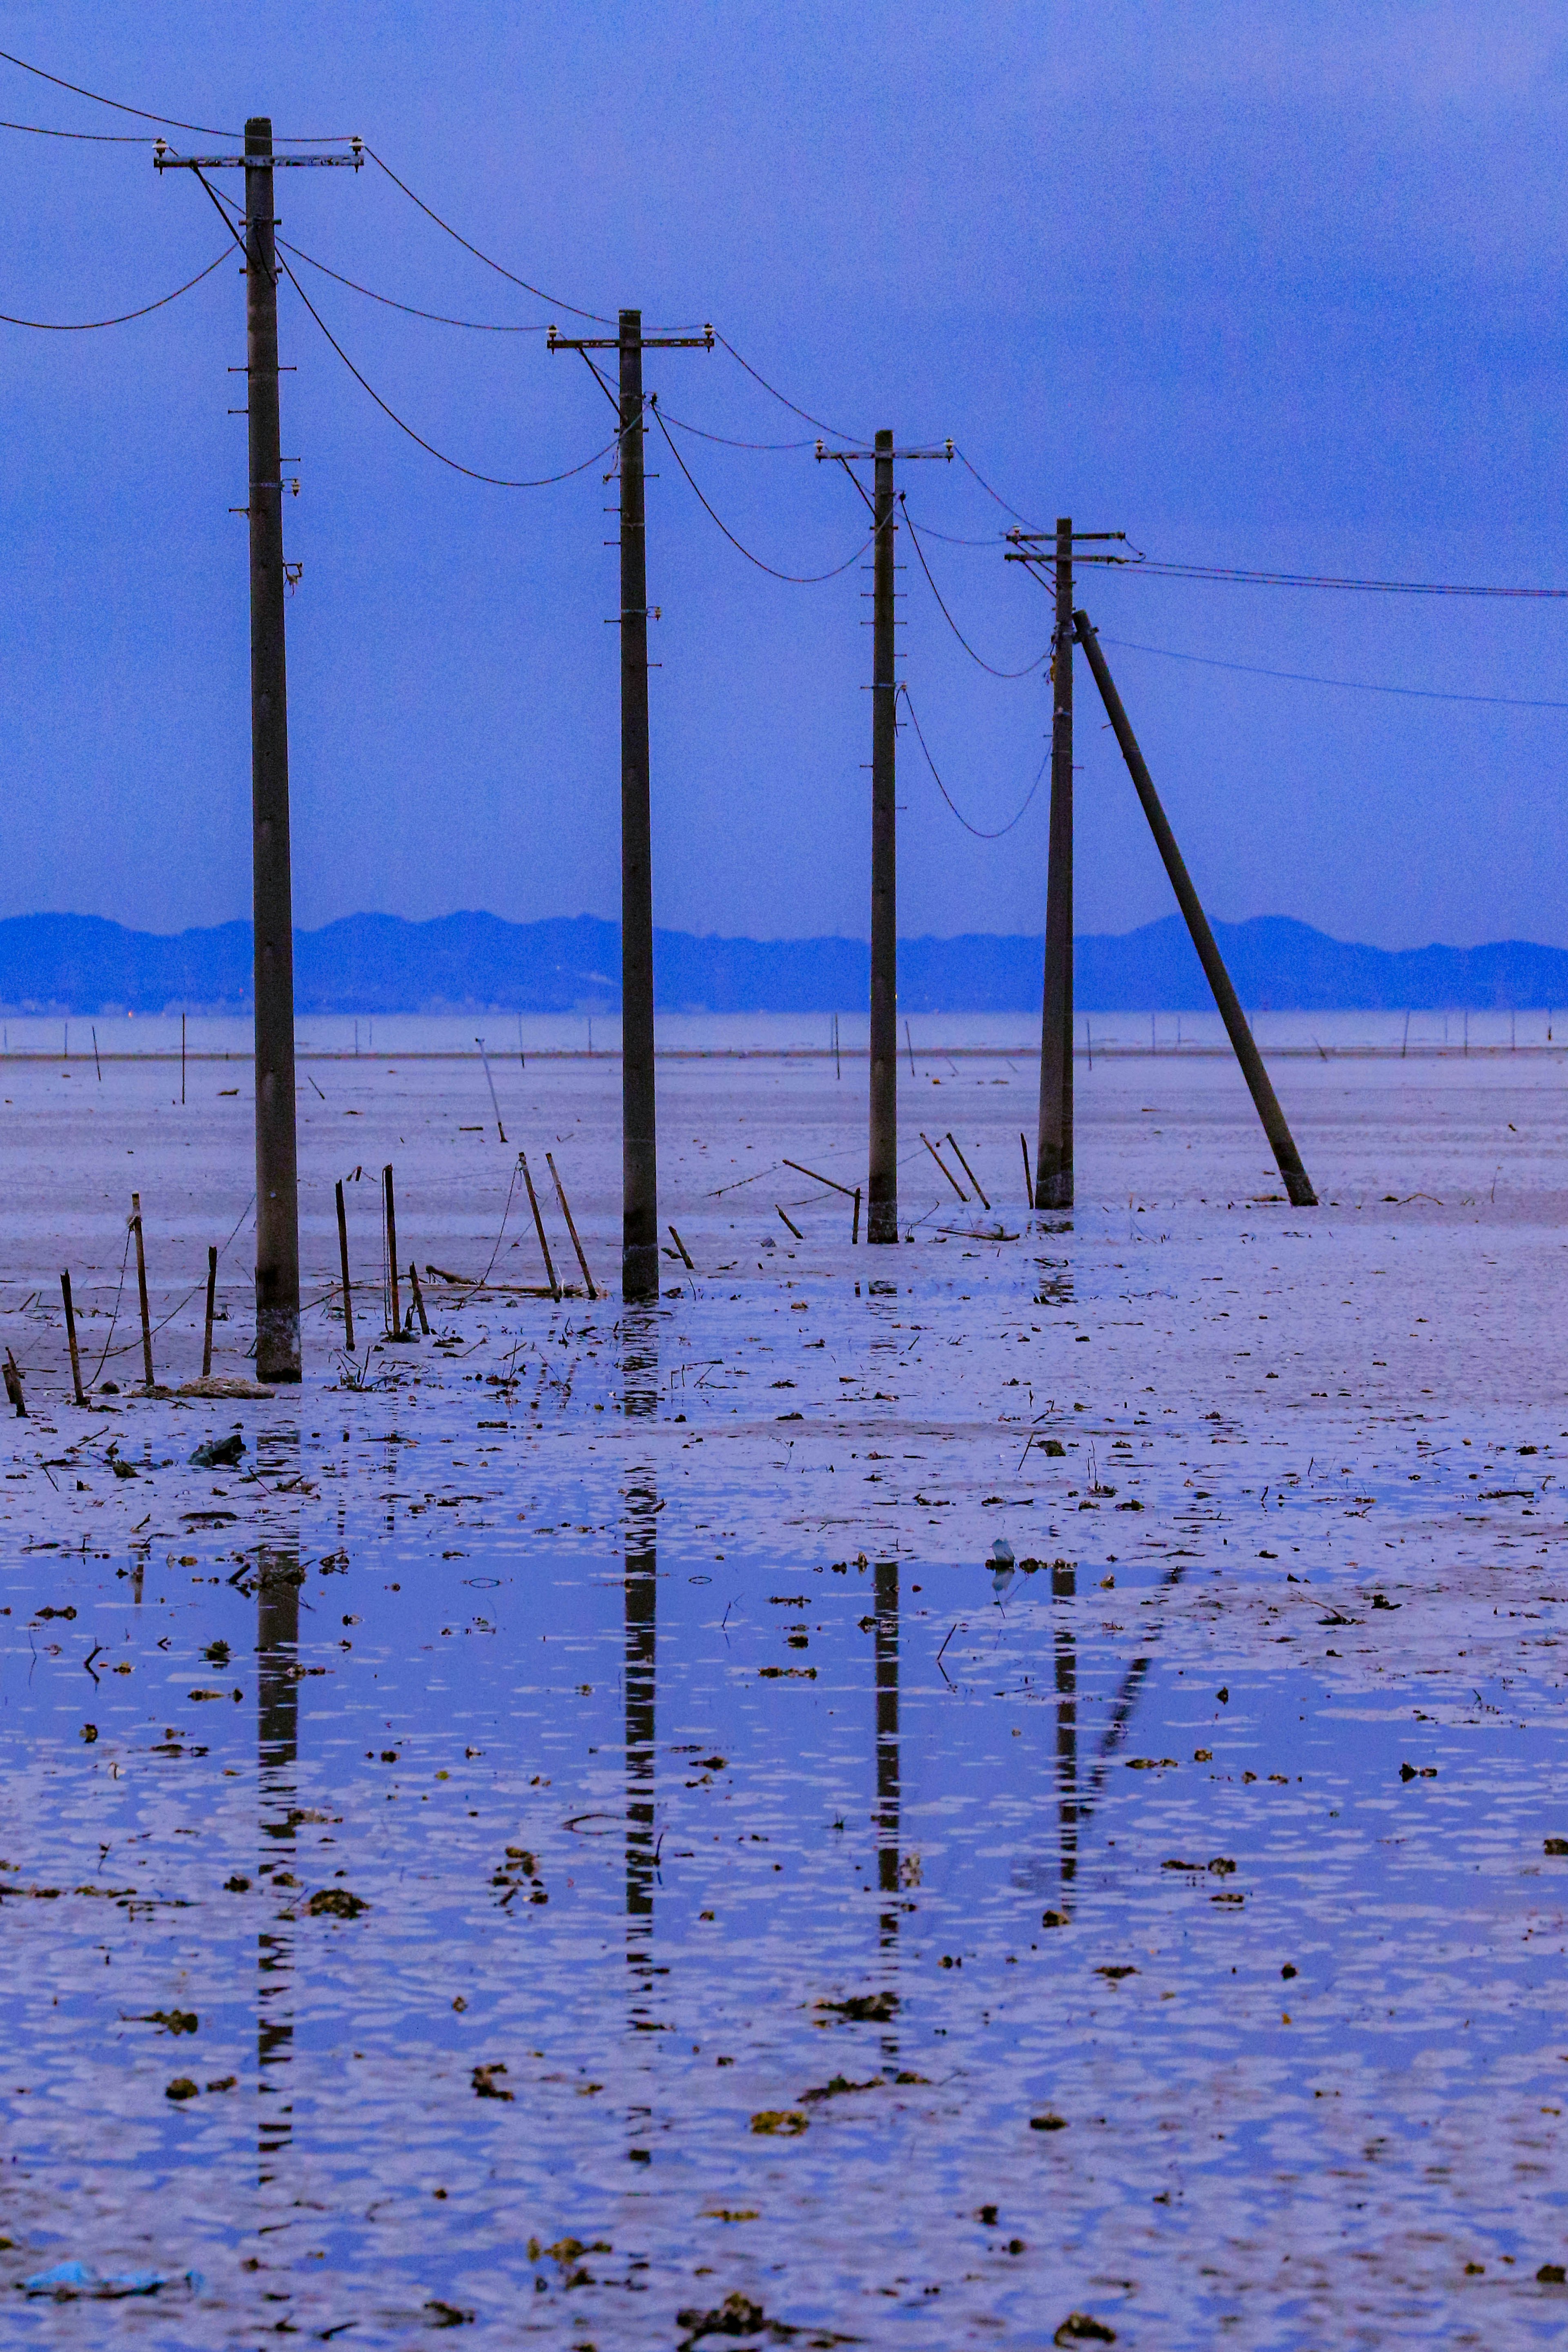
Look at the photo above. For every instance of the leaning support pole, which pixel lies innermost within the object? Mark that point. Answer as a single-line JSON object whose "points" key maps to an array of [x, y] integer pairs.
{"points": [[1298, 1184], [70, 1335], [1054, 1150], [882, 1181], [277, 1157]]}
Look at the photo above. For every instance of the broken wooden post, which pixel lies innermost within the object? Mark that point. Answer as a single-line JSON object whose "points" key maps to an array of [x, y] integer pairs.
{"points": [[70, 1335], [494, 1104], [791, 1224], [418, 1297], [539, 1227], [395, 1323], [141, 1288], [566, 1212], [14, 1385], [212, 1303], [855, 1226], [1298, 1184], [343, 1257], [1028, 1179], [685, 1252], [943, 1166], [969, 1172]]}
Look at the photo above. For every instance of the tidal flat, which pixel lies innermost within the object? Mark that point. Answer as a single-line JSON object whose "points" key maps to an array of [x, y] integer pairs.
{"points": [[573, 1833]]}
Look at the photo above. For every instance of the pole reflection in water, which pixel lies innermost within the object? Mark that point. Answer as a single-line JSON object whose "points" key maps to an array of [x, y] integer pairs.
{"points": [[279, 1578], [1064, 1587], [639, 1369], [887, 1636]]}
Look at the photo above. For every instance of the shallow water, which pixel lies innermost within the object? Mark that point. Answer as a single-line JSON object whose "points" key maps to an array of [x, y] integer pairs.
{"points": [[626, 1823]]}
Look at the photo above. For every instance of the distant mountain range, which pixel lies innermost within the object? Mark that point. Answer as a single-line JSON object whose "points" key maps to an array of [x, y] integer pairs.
{"points": [[379, 963]]}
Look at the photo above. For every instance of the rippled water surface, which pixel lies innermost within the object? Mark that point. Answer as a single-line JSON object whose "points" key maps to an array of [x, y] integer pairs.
{"points": [[643, 1950]]}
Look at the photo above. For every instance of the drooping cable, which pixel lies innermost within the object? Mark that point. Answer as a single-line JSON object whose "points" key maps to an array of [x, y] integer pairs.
{"points": [[989, 491], [775, 394], [439, 318], [538, 291], [144, 114], [1029, 667], [86, 326], [727, 441], [1153, 567], [96, 138], [794, 579], [492, 481], [980, 832], [1351, 685]]}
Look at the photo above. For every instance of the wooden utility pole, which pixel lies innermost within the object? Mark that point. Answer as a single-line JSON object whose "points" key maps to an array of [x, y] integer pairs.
{"points": [[277, 1154], [639, 1148], [1054, 1146], [882, 1174], [883, 1177]]}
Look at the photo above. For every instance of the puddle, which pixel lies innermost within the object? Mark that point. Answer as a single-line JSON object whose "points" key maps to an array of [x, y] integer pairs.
{"points": [[569, 1947]]}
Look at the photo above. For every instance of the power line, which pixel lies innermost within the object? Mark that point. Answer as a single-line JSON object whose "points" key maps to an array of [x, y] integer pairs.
{"points": [[86, 326], [795, 578], [494, 482], [839, 433], [987, 488], [1355, 685], [979, 831], [1153, 567], [478, 326], [537, 291], [98, 138], [952, 624], [142, 113], [726, 441]]}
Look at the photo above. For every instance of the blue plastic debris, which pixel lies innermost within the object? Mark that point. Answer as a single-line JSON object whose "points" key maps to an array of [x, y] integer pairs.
{"points": [[71, 2282]]}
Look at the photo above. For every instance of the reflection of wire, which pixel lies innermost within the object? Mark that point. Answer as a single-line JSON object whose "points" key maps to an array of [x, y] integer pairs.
{"points": [[478, 326], [952, 624], [779, 396], [85, 326], [795, 578], [979, 831], [495, 482], [537, 291]]}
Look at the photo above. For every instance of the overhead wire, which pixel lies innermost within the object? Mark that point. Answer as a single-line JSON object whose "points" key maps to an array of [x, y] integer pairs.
{"points": [[86, 326], [775, 394], [1353, 684], [144, 114], [1153, 567], [794, 579], [987, 488], [1028, 667], [478, 326], [727, 441], [980, 832], [97, 138], [597, 318]]}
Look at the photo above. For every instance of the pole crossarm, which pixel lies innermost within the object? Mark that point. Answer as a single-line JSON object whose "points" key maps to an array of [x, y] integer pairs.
{"points": [[163, 161], [702, 343], [1031, 546], [854, 456]]}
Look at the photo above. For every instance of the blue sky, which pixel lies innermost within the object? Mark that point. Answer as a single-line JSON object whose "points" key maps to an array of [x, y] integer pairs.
{"points": [[1273, 287]]}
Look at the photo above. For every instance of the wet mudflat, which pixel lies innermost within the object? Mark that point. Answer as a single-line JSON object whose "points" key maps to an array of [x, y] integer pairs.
{"points": [[384, 1996], [630, 1949]]}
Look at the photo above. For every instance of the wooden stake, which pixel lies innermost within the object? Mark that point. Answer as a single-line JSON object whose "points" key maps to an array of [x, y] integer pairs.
{"points": [[566, 1212], [418, 1297], [141, 1288], [832, 1183], [855, 1228], [685, 1252], [97, 1065], [970, 1173], [943, 1166], [793, 1226], [343, 1256], [70, 1335], [538, 1226], [212, 1302], [1028, 1179], [397, 1321]]}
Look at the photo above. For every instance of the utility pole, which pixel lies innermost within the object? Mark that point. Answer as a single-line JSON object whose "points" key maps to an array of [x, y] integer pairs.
{"points": [[639, 1144], [882, 1174], [1054, 1148], [277, 1154]]}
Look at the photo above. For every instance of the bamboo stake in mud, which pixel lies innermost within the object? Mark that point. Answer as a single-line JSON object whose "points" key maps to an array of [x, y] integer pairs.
{"points": [[97, 1065], [969, 1172], [418, 1297], [70, 1335], [855, 1226], [343, 1256], [1028, 1179], [396, 1319], [685, 1252], [791, 1224], [943, 1166], [566, 1212], [491, 1083], [1298, 1184], [539, 1227], [212, 1303], [141, 1288]]}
